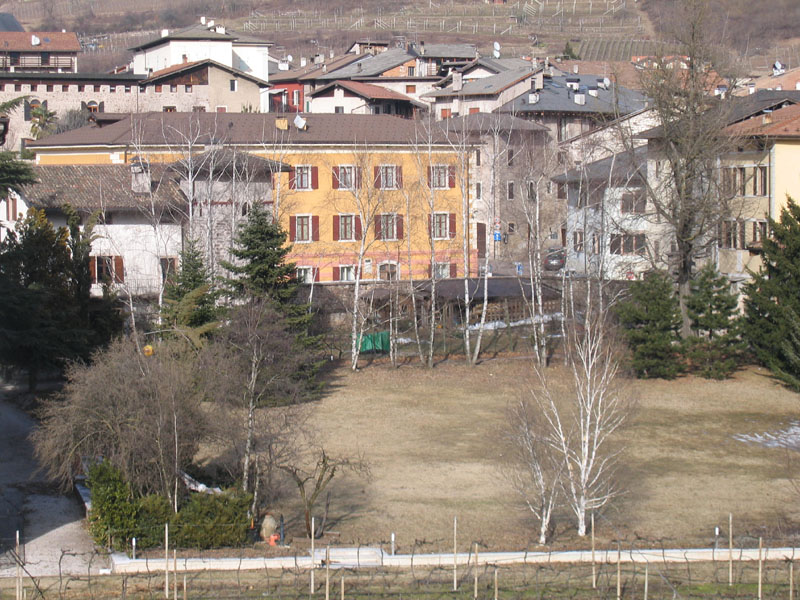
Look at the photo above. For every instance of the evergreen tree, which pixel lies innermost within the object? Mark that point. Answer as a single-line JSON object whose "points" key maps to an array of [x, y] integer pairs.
{"points": [[261, 248], [772, 300], [651, 321], [39, 321], [14, 173], [712, 308], [190, 301]]}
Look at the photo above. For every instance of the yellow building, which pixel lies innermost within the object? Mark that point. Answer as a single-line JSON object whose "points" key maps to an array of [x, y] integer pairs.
{"points": [[369, 194], [760, 176]]}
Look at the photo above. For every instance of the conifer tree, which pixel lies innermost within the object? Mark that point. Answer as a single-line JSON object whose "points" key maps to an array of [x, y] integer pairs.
{"points": [[711, 306], [651, 322], [772, 300], [190, 301]]}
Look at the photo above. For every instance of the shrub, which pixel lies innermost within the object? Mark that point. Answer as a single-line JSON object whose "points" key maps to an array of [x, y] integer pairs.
{"points": [[154, 511], [112, 520], [211, 521]]}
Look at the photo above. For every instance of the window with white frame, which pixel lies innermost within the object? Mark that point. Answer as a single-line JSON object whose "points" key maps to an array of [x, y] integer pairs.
{"points": [[346, 175], [387, 177], [296, 97], [440, 177], [629, 243], [386, 227], [347, 273], [302, 177], [441, 270], [347, 228], [234, 84], [441, 226], [302, 229], [305, 274]]}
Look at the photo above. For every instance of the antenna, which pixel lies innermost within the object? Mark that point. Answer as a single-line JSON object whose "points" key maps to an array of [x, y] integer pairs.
{"points": [[299, 122]]}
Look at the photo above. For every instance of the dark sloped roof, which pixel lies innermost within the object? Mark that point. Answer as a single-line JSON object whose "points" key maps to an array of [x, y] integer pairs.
{"points": [[91, 187], [465, 51], [8, 22], [487, 122], [370, 65], [555, 97], [370, 92], [239, 128], [193, 32], [484, 86], [625, 167], [199, 64], [498, 287], [225, 161]]}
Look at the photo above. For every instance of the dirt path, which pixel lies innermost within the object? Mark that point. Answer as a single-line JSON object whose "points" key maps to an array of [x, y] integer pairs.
{"points": [[51, 525]]}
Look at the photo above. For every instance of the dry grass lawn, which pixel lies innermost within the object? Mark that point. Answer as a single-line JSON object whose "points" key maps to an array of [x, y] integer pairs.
{"points": [[432, 442]]}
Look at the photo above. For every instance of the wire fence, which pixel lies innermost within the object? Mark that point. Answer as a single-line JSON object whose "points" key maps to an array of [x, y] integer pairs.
{"points": [[619, 570]]}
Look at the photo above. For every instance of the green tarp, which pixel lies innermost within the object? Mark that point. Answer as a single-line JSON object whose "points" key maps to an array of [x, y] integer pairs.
{"points": [[375, 342]]}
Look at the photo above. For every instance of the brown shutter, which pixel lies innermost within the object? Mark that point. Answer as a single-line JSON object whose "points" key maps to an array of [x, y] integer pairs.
{"points": [[453, 270], [358, 227], [314, 178], [377, 177], [101, 107], [335, 226], [336, 273], [316, 273], [399, 221], [452, 225], [119, 270], [292, 181], [451, 177], [430, 226], [93, 268], [315, 227], [358, 178], [335, 180], [26, 110], [429, 175], [399, 176], [292, 228], [481, 241], [377, 227]]}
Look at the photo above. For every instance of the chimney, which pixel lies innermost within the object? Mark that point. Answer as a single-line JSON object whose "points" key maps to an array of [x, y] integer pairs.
{"points": [[533, 98], [779, 87], [210, 23], [324, 68], [331, 54], [580, 98], [140, 177], [593, 91], [360, 67], [575, 69], [164, 32], [422, 48], [458, 82], [751, 88], [303, 61], [202, 20], [797, 85], [538, 81]]}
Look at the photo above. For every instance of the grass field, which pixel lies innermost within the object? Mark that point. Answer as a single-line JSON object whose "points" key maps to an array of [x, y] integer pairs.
{"points": [[431, 439]]}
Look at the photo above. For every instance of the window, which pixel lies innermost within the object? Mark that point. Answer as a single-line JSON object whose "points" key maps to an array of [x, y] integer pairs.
{"points": [[511, 153], [305, 274], [65, 88], [347, 273], [441, 270], [532, 196], [741, 177], [11, 207], [222, 109], [302, 178], [759, 231], [512, 227], [577, 241], [296, 97], [170, 109], [411, 89], [49, 87], [92, 106], [173, 88], [187, 88], [106, 269], [95, 88], [478, 157], [15, 59], [446, 113], [733, 234], [198, 109], [763, 180], [387, 227], [561, 192], [142, 89], [347, 228], [127, 89], [478, 191], [169, 268], [510, 190], [411, 71], [474, 110], [339, 110], [45, 58], [346, 177], [234, 84], [387, 272], [629, 243], [158, 89], [302, 230], [441, 226], [441, 177], [388, 177], [17, 87], [634, 202], [112, 89], [562, 129]]}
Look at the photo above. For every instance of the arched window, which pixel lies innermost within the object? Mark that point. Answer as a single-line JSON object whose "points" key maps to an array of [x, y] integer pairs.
{"points": [[92, 106]]}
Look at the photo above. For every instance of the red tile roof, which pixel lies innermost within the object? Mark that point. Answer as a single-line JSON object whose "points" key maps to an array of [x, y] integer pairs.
{"points": [[365, 90], [21, 41], [784, 122]]}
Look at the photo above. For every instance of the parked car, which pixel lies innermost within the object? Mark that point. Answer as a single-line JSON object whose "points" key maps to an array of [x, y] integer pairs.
{"points": [[555, 259]]}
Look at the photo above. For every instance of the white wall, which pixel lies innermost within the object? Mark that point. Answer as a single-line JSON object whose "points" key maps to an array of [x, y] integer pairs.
{"points": [[171, 53], [251, 59]]}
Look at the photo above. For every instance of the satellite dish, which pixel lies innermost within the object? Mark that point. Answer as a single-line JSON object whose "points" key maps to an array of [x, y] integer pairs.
{"points": [[35, 41], [289, 58], [606, 82], [496, 46], [299, 122], [778, 65], [496, 53]]}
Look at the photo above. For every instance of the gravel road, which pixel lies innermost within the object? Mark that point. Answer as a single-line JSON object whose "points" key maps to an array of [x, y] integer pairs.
{"points": [[51, 525]]}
